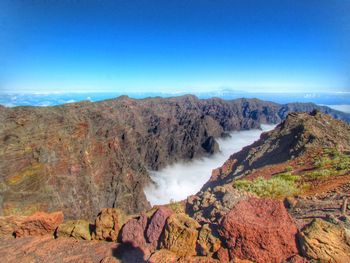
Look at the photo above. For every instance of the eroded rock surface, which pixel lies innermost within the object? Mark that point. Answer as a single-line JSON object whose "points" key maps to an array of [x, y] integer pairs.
{"points": [[79, 229], [108, 223], [81, 157], [259, 230], [180, 235], [323, 241]]}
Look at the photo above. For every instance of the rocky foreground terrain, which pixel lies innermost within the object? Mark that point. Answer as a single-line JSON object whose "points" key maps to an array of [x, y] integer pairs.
{"points": [[81, 157], [282, 199]]}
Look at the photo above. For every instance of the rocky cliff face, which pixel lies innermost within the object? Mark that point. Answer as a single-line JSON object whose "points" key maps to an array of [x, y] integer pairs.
{"points": [[83, 156], [291, 207]]}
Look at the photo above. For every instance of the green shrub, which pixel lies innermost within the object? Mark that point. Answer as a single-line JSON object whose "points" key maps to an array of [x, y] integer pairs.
{"points": [[318, 174], [289, 168], [287, 177], [274, 187]]}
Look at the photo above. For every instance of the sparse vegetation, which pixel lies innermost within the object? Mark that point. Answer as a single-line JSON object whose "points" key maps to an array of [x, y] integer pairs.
{"points": [[318, 173], [275, 187], [177, 207], [289, 168]]}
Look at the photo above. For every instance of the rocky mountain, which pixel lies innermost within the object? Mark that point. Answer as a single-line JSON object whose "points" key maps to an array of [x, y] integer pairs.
{"points": [[81, 157], [282, 199], [300, 171]]}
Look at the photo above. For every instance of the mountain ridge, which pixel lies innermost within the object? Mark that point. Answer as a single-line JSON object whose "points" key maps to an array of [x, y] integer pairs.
{"points": [[80, 157]]}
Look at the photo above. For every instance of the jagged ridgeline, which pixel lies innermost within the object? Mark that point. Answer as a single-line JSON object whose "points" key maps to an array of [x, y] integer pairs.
{"points": [[81, 157]]}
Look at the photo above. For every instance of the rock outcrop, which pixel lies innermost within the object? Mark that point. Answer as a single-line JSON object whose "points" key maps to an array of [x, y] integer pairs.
{"points": [[81, 157], [108, 223], [78, 229], [180, 235], [323, 241], [133, 232], [259, 230], [156, 225], [39, 224]]}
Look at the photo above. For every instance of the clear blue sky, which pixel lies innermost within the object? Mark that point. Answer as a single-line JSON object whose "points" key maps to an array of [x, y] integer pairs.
{"points": [[174, 45]]}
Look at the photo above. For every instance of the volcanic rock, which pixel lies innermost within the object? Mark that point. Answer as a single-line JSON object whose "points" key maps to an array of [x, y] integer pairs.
{"points": [[299, 134], [42, 249], [8, 225], [79, 229], [108, 223], [259, 230], [81, 157], [39, 224], [156, 225], [180, 235], [133, 232], [207, 243], [163, 256], [323, 241]]}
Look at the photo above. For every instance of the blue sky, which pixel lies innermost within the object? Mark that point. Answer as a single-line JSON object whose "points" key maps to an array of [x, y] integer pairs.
{"points": [[170, 46]]}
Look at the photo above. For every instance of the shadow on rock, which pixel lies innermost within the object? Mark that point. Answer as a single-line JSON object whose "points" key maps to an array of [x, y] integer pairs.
{"points": [[126, 253]]}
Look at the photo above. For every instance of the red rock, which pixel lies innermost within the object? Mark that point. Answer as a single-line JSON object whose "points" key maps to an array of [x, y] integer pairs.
{"points": [[42, 249], [133, 232], [39, 224], [259, 230], [157, 224], [222, 255], [8, 224]]}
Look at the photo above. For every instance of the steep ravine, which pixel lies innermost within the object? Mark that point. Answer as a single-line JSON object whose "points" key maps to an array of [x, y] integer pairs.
{"points": [[84, 156]]}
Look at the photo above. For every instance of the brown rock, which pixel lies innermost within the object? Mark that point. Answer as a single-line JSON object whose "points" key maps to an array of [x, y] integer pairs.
{"points": [[108, 224], [79, 229], [207, 242], [156, 225], [8, 224], [42, 249], [222, 255], [325, 242], [39, 224], [163, 256], [133, 232], [259, 230], [180, 235]]}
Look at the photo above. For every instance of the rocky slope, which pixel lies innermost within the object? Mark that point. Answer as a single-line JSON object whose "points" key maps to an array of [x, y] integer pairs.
{"points": [[84, 156], [289, 207], [303, 165]]}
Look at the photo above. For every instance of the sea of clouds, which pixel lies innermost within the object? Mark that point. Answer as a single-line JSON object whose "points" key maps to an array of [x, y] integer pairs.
{"points": [[179, 180]]}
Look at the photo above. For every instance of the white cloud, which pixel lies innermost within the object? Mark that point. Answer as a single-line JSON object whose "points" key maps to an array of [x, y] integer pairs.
{"points": [[343, 108], [182, 179]]}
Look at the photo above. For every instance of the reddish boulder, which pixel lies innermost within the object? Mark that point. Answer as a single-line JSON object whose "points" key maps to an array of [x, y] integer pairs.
{"points": [[259, 230], [39, 224], [133, 232], [8, 224], [157, 224]]}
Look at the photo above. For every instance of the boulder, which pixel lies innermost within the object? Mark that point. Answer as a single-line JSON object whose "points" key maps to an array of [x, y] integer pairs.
{"points": [[133, 232], [180, 235], [156, 225], [108, 224], [78, 229], [163, 256], [259, 230], [8, 224], [207, 243], [325, 242], [39, 224]]}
